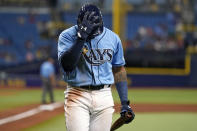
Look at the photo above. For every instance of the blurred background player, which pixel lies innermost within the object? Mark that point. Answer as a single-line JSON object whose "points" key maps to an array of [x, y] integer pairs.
{"points": [[92, 57], [47, 72]]}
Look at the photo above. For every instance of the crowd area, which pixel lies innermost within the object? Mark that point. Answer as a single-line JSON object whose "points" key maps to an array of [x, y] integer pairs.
{"points": [[163, 36], [22, 38], [29, 37]]}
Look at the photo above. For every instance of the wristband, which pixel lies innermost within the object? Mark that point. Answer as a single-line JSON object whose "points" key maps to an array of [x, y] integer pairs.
{"points": [[122, 91]]}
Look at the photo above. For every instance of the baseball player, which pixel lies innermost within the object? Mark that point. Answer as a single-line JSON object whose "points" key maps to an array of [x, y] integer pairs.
{"points": [[47, 72], [91, 57]]}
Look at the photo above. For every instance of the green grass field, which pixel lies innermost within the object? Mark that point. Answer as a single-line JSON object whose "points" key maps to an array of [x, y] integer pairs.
{"points": [[164, 96], [143, 122], [15, 98]]}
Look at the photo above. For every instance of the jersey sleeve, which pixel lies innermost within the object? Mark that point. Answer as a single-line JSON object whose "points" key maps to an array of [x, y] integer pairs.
{"points": [[118, 57], [65, 42]]}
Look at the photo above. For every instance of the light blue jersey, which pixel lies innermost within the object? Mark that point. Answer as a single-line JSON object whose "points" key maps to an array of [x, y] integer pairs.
{"points": [[97, 59], [47, 69]]}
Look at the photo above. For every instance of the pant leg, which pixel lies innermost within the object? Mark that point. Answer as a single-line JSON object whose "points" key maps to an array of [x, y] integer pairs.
{"points": [[76, 108], [102, 121], [50, 90], [77, 118], [44, 90], [103, 104]]}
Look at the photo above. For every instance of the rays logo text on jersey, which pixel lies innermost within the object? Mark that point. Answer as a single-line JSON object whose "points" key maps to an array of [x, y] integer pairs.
{"points": [[97, 57]]}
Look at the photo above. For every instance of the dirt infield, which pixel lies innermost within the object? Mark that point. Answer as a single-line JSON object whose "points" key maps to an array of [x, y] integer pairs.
{"points": [[45, 115], [144, 107], [29, 121], [15, 111]]}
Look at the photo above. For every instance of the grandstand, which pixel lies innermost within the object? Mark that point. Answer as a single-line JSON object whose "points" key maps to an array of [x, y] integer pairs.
{"points": [[156, 34]]}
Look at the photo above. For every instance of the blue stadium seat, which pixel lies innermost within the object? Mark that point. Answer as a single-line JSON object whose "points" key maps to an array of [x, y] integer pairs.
{"points": [[19, 33], [10, 27], [136, 20]]}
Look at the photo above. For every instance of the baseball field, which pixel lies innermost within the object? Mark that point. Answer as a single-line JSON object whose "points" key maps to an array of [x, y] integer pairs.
{"points": [[156, 110]]}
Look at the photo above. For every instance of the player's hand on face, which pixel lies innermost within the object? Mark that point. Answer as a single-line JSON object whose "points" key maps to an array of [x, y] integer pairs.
{"points": [[127, 112], [87, 25]]}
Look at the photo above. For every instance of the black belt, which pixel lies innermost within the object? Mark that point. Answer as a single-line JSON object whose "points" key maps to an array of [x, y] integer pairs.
{"points": [[92, 87]]}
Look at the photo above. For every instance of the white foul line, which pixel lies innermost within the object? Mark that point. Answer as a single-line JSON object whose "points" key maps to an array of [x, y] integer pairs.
{"points": [[31, 112]]}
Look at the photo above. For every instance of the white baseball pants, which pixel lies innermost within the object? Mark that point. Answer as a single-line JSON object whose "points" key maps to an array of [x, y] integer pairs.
{"points": [[87, 110]]}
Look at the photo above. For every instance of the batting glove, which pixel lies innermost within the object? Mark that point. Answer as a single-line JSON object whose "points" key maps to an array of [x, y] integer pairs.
{"points": [[87, 25], [126, 111]]}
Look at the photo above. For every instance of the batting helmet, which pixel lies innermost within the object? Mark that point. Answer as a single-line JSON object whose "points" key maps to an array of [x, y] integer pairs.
{"points": [[91, 8]]}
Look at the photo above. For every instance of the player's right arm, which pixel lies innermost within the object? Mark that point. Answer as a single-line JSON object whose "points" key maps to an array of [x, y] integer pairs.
{"points": [[70, 56]]}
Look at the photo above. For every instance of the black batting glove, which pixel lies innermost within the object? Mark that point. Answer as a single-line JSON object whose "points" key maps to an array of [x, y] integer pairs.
{"points": [[127, 112], [87, 25]]}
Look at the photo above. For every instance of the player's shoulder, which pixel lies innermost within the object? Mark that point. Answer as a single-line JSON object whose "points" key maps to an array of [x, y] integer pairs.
{"points": [[69, 33], [111, 33]]}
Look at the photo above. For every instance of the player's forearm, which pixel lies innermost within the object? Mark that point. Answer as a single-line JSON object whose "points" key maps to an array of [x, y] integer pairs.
{"points": [[120, 77], [120, 74], [70, 58]]}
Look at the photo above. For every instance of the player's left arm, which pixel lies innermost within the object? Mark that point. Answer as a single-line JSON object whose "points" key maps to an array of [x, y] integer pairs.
{"points": [[120, 77]]}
